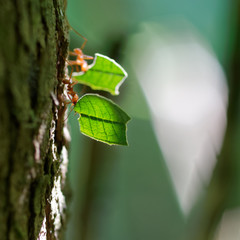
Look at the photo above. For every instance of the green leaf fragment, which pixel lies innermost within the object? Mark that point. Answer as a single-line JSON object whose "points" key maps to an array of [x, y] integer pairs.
{"points": [[104, 74], [102, 120]]}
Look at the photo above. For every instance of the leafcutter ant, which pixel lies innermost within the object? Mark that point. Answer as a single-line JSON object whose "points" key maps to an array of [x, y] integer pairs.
{"points": [[80, 60], [72, 95], [78, 53]]}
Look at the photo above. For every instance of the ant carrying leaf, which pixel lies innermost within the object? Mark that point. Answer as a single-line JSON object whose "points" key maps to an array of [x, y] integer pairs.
{"points": [[100, 118]]}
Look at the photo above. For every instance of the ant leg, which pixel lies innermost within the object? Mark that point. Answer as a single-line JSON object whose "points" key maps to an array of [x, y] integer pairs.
{"points": [[86, 57], [77, 68], [72, 62], [69, 97], [66, 102], [70, 76], [72, 53], [74, 82], [68, 62], [69, 113], [66, 81]]}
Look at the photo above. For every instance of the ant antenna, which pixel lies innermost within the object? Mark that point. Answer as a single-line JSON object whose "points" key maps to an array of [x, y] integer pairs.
{"points": [[79, 34]]}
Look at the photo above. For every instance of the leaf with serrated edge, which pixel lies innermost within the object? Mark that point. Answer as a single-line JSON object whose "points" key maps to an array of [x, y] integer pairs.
{"points": [[102, 120], [103, 74]]}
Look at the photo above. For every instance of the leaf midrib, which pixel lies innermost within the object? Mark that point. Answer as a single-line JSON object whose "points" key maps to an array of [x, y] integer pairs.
{"points": [[110, 73], [101, 119]]}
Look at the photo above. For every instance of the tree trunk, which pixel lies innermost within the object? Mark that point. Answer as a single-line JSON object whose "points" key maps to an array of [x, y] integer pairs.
{"points": [[33, 156]]}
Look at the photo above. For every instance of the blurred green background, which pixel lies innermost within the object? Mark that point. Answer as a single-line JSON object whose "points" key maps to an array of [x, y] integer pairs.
{"points": [[178, 55]]}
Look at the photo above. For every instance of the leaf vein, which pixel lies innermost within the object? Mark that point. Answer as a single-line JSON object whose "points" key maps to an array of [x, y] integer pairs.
{"points": [[105, 72], [104, 120]]}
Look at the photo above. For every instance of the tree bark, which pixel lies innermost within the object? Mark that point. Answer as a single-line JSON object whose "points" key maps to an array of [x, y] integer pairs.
{"points": [[33, 155]]}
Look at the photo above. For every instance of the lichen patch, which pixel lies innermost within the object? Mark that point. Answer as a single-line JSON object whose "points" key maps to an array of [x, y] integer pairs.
{"points": [[64, 164], [58, 204], [37, 141], [43, 231], [52, 140]]}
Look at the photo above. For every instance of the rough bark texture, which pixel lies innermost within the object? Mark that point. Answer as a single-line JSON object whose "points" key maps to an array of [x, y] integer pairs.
{"points": [[33, 49]]}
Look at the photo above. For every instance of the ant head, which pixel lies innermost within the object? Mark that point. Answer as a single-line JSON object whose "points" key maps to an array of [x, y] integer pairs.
{"points": [[78, 51], [75, 99]]}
